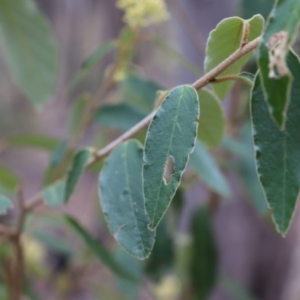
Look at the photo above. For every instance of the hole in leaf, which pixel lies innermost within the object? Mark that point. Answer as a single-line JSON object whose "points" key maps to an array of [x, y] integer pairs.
{"points": [[169, 170], [277, 51]]}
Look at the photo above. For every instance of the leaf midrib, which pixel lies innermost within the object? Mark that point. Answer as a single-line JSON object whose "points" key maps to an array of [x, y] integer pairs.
{"points": [[171, 140]]}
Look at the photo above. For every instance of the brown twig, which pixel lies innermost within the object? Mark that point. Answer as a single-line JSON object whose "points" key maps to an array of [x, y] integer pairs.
{"points": [[206, 79]]}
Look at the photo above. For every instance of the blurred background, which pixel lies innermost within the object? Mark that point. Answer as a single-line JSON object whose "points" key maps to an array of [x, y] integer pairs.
{"points": [[208, 246]]}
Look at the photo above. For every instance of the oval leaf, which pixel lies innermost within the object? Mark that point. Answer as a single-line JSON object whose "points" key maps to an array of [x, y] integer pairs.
{"points": [[226, 39], [207, 169], [170, 139], [277, 152], [54, 194], [5, 205], [212, 119], [29, 49], [79, 162], [275, 75], [122, 201]]}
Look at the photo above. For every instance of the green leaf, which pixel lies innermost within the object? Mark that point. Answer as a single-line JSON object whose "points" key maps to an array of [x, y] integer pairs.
{"points": [[207, 169], [212, 119], [161, 259], [47, 143], [170, 139], [203, 262], [253, 7], [8, 180], [249, 174], [247, 78], [5, 205], [122, 201], [277, 152], [243, 149], [29, 49], [99, 250], [140, 91], [79, 163], [58, 154], [278, 36], [78, 113], [133, 266], [226, 39], [54, 242], [54, 195], [121, 116], [91, 61]]}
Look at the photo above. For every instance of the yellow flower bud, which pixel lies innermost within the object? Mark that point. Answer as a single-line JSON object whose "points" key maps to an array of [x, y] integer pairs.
{"points": [[143, 12]]}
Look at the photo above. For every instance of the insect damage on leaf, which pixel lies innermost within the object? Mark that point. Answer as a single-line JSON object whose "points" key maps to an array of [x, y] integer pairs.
{"points": [[169, 170], [277, 45]]}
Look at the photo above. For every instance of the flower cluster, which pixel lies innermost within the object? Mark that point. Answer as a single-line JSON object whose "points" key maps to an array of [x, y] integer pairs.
{"points": [[143, 12]]}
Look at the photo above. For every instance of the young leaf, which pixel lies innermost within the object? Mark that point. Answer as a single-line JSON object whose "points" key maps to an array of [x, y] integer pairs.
{"points": [[5, 205], [170, 139], [99, 250], [277, 152], [275, 75], [207, 169], [79, 162], [212, 119], [29, 49], [229, 36], [121, 116], [122, 201], [54, 194]]}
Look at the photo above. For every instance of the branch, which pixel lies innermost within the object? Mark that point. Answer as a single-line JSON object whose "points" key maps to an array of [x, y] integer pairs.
{"points": [[211, 75], [206, 79]]}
